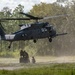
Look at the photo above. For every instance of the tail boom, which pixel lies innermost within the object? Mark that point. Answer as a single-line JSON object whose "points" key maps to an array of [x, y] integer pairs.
{"points": [[61, 34]]}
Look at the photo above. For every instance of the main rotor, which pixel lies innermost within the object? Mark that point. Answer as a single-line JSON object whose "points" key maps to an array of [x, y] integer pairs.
{"points": [[30, 17]]}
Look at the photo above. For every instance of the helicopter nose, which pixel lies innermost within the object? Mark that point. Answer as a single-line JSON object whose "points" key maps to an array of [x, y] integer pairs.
{"points": [[53, 33]]}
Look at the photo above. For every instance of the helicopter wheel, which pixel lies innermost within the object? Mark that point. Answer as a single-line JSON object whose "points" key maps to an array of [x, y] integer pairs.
{"points": [[50, 39], [9, 47], [34, 41]]}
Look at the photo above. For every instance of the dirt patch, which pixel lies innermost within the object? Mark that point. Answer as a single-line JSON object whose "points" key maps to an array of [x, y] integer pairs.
{"points": [[13, 63]]}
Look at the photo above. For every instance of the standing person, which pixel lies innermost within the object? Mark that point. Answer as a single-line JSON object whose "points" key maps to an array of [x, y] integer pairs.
{"points": [[21, 56], [26, 56], [21, 53], [33, 60]]}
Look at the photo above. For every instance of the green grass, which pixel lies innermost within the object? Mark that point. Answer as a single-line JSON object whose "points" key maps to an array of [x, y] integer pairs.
{"points": [[50, 69], [8, 54]]}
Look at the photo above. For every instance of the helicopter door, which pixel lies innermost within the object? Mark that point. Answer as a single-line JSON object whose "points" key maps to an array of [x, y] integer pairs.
{"points": [[36, 33]]}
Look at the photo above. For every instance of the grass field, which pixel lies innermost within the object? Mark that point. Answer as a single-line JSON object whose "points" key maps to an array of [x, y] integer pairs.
{"points": [[43, 66], [50, 69]]}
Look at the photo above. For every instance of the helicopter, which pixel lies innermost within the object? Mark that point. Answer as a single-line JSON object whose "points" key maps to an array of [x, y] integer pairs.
{"points": [[33, 31]]}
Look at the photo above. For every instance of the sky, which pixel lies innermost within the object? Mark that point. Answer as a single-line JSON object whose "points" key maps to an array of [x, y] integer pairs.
{"points": [[28, 4]]}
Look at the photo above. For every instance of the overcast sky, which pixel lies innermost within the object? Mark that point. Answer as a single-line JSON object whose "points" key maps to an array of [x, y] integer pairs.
{"points": [[28, 4]]}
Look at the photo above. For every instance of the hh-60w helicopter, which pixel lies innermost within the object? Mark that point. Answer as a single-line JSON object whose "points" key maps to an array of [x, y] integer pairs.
{"points": [[34, 31]]}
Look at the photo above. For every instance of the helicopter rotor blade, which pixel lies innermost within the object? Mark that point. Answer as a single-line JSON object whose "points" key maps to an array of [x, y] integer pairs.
{"points": [[27, 15], [31, 17], [57, 16], [43, 18]]}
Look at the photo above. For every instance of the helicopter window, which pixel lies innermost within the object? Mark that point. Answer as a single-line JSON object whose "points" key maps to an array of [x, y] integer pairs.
{"points": [[23, 27], [43, 29], [27, 25]]}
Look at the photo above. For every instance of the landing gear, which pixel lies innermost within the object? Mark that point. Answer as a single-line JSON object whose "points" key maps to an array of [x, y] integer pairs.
{"points": [[34, 41], [50, 39], [10, 45]]}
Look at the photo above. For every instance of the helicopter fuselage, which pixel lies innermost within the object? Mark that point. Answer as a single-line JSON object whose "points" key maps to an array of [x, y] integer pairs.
{"points": [[31, 33]]}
